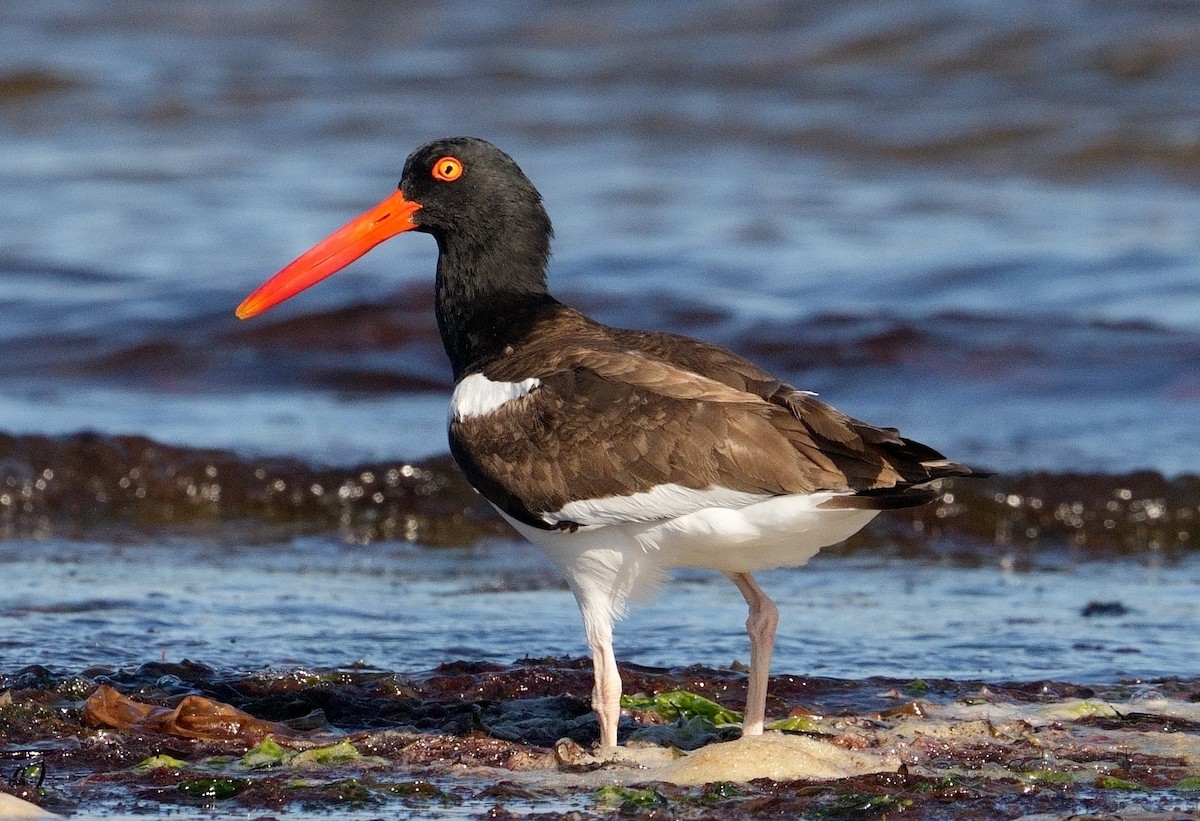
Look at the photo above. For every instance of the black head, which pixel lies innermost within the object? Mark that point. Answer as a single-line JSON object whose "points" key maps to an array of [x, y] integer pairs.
{"points": [[465, 184], [487, 218]]}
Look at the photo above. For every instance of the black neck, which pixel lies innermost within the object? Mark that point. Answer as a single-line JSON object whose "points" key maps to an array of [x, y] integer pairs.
{"points": [[487, 292]]}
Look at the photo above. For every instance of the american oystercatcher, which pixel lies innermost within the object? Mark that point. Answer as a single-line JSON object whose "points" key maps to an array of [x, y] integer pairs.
{"points": [[620, 453]]}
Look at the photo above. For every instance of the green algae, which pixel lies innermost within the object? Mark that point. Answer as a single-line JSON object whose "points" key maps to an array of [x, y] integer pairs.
{"points": [[1086, 709], [162, 761], [218, 789], [1045, 777], [1112, 782], [917, 687], [266, 753], [800, 724], [30, 776], [352, 791], [859, 804], [721, 791], [1189, 784], [339, 753], [676, 704], [628, 800], [269, 753]]}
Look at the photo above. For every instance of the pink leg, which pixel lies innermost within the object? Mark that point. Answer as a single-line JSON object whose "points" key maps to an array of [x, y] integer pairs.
{"points": [[606, 692], [764, 618]]}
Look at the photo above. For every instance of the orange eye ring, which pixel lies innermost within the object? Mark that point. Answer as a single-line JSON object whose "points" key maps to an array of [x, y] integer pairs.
{"points": [[447, 169]]}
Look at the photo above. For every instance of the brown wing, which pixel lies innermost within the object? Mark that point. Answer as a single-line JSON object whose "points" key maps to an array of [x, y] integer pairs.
{"points": [[877, 462], [619, 413], [583, 435]]}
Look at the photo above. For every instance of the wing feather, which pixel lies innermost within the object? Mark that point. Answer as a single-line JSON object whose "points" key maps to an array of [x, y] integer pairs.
{"points": [[619, 413]]}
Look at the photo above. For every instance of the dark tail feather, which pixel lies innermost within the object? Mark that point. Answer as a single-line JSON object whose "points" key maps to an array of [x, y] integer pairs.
{"points": [[944, 468], [912, 494], [892, 498], [932, 463]]}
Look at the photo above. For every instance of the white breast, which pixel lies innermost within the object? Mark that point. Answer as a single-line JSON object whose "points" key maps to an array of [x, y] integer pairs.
{"points": [[476, 395]]}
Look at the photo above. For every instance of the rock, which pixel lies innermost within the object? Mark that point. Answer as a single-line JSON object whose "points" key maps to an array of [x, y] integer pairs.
{"points": [[14, 809], [774, 756]]}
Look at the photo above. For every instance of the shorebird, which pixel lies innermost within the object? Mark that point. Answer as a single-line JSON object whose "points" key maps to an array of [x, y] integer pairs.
{"points": [[620, 453]]}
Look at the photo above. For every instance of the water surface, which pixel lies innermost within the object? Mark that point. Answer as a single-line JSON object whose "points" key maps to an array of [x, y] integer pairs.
{"points": [[975, 222], [320, 603]]}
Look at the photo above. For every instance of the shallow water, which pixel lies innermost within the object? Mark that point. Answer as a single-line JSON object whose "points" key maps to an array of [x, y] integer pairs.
{"points": [[319, 603]]}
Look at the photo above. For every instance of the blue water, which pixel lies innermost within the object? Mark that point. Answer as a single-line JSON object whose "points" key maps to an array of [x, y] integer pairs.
{"points": [[976, 222], [1024, 171], [72, 606]]}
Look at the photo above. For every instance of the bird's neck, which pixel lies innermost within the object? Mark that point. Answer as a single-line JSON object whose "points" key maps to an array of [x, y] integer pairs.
{"points": [[487, 293]]}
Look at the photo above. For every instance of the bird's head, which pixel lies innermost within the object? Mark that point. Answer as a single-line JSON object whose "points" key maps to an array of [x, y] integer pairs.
{"points": [[462, 190]]}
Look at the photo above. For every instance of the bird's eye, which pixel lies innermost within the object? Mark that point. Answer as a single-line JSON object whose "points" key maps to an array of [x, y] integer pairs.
{"points": [[447, 169]]}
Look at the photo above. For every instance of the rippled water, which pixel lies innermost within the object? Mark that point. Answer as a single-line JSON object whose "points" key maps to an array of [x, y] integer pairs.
{"points": [[322, 603], [974, 221]]}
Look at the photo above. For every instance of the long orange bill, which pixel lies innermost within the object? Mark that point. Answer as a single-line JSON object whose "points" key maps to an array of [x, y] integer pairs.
{"points": [[330, 255]]}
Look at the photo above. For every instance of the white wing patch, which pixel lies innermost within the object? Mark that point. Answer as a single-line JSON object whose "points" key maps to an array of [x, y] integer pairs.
{"points": [[476, 395], [667, 501]]}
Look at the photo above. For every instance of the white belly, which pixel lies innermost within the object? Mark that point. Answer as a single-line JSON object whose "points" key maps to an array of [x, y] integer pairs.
{"points": [[631, 559]]}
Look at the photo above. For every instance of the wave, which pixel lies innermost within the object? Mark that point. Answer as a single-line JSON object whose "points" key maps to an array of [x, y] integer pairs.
{"points": [[393, 346]]}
